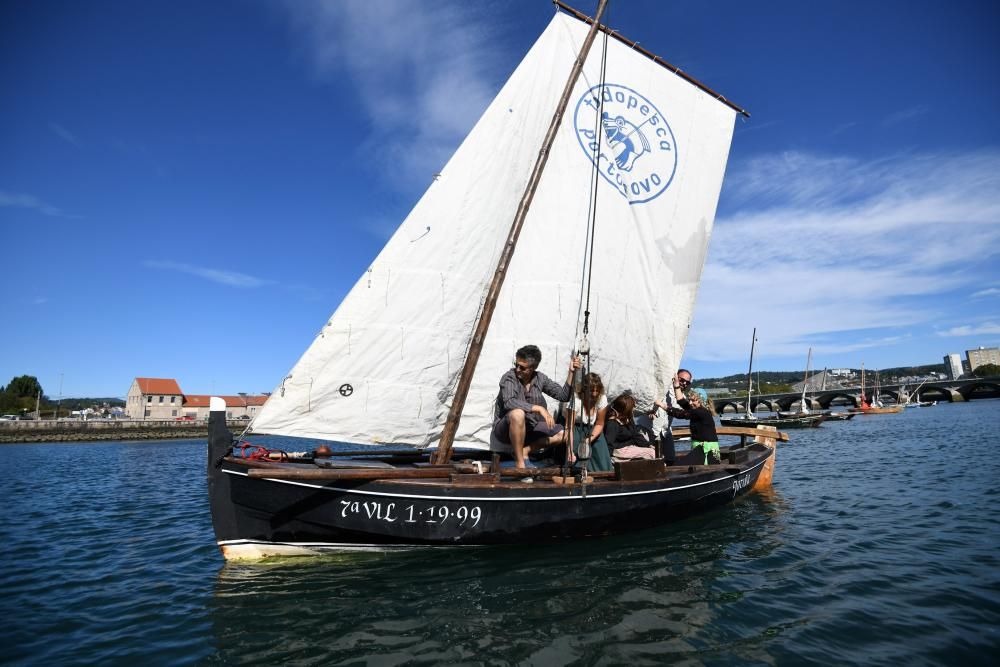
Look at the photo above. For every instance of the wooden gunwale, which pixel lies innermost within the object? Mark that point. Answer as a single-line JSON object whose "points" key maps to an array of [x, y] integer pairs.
{"points": [[437, 474]]}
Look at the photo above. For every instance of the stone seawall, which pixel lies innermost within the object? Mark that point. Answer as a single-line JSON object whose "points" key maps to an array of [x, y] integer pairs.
{"points": [[84, 431]]}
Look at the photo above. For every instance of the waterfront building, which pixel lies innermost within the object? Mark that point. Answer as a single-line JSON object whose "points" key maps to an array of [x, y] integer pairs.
{"points": [[953, 364], [243, 406], [154, 398], [984, 355], [162, 398]]}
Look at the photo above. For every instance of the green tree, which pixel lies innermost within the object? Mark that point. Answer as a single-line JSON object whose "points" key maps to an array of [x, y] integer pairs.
{"points": [[987, 371], [24, 386]]}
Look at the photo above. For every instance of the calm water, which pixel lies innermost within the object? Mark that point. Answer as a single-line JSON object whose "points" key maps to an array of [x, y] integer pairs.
{"points": [[880, 544]]}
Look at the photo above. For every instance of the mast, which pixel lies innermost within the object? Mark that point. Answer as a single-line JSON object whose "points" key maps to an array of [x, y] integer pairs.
{"points": [[753, 342], [805, 383], [493, 294], [863, 400]]}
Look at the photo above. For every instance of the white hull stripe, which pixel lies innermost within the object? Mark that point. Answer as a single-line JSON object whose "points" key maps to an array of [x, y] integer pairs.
{"points": [[487, 499], [340, 546]]}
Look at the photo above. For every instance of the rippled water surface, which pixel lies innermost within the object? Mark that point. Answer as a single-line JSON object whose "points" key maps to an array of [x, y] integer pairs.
{"points": [[879, 544]]}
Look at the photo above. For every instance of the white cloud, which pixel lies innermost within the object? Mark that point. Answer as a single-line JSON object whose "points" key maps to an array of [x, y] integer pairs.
{"points": [[9, 199], [231, 278], [989, 291], [841, 254], [972, 330], [423, 77]]}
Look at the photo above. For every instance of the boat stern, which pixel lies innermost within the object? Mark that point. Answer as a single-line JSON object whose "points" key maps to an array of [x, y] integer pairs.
{"points": [[763, 481]]}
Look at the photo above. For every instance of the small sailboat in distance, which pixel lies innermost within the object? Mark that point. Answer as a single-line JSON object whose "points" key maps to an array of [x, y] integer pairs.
{"points": [[750, 419], [875, 407]]}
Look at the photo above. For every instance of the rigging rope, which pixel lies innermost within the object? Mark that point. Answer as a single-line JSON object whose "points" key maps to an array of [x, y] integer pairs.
{"points": [[592, 210]]}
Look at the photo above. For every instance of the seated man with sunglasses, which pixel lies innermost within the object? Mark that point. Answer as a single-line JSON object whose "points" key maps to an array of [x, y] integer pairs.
{"points": [[522, 419]]}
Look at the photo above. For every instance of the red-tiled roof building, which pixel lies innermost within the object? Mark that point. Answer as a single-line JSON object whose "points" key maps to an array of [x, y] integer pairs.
{"points": [[162, 398]]}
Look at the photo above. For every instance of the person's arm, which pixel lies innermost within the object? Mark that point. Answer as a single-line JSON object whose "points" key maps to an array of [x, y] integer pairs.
{"points": [[565, 392], [598, 429], [684, 411], [678, 413]]}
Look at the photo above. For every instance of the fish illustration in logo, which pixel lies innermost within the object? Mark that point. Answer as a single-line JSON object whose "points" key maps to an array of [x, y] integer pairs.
{"points": [[628, 139], [625, 139]]}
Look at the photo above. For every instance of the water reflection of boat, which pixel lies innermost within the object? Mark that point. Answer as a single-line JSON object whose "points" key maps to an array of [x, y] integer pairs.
{"points": [[357, 384]]}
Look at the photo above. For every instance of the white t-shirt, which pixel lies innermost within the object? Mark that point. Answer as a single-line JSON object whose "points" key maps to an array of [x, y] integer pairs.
{"points": [[588, 419]]}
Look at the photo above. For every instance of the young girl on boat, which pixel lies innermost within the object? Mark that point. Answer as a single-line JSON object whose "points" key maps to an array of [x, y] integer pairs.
{"points": [[623, 435], [704, 440]]}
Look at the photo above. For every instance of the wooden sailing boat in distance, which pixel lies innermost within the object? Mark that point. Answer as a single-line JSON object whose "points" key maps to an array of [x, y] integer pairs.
{"points": [[412, 355], [781, 421], [875, 407]]}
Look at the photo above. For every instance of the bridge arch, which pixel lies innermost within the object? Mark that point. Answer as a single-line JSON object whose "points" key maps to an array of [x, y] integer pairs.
{"points": [[724, 405], [987, 388], [825, 400], [939, 394]]}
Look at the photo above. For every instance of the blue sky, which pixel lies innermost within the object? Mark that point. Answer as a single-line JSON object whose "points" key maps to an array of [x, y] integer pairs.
{"points": [[188, 189]]}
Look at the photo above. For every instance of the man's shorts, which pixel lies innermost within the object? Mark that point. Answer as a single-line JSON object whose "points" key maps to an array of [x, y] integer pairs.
{"points": [[534, 432]]}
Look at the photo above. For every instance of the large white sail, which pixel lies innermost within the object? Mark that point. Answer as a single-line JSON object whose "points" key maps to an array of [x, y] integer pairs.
{"points": [[384, 367]]}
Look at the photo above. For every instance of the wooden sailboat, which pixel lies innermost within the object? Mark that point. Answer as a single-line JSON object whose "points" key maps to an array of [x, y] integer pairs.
{"points": [[408, 365], [804, 411], [806, 420], [875, 407], [913, 398]]}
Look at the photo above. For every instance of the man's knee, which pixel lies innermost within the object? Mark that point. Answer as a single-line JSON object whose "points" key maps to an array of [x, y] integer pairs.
{"points": [[515, 416]]}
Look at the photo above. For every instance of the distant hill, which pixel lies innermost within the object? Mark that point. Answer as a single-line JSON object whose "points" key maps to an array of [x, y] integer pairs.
{"points": [[775, 381], [84, 403]]}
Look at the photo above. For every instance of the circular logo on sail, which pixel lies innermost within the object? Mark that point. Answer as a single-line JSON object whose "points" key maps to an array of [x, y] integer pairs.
{"points": [[636, 153]]}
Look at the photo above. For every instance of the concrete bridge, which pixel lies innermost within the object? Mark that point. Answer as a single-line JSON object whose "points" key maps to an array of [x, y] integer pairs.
{"points": [[951, 391]]}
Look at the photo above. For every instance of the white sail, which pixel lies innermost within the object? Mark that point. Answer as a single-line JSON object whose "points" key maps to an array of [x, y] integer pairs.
{"points": [[384, 367]]}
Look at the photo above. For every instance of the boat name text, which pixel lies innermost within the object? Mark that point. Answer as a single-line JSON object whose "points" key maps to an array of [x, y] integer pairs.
{"points": [[393, 512], [741, 483]]}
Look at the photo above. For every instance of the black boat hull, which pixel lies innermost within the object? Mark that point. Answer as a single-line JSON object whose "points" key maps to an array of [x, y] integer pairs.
{"points": [[811, 421], [256, 517]]}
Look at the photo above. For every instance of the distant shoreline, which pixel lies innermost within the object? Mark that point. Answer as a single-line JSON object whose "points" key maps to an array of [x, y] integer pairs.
{"points": [[14, 432]]}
